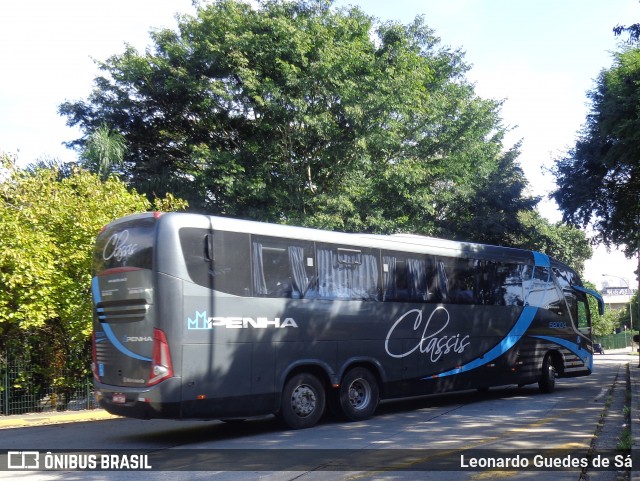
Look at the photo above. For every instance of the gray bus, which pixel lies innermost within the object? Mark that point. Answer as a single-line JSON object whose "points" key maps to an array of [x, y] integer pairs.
{"points": [[206, 317]]}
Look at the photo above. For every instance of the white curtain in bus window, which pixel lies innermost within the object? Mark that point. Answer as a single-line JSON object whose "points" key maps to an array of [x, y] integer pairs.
{"points": [[279, 271], [301, 281], [259, 282], [406, 279], [457, 280], [389, 276], [347, 274]]}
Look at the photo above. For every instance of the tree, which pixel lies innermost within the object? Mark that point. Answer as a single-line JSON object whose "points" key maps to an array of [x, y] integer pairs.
{"points": [[490, 212], [599, 179], [606, 324], [633, 31], [296, 112], [48, 225], [103, 152], [564, 242], [602, 325]]}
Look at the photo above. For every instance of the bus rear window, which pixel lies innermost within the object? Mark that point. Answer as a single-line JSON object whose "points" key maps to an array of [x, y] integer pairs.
{"points": [[125, 244]]}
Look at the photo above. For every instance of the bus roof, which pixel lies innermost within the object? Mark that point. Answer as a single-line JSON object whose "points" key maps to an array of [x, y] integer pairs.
{"points": [[394, 242]]}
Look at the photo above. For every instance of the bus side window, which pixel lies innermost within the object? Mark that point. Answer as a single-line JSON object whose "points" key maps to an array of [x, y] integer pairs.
{"points": [[510, 282], [565, 279], [408, 278], [348, 274], [216, 260], [281, 268], [458, 280], [544, 293], [229, 271]]}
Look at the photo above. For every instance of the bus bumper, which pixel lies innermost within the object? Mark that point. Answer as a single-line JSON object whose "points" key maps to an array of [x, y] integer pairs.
{"points": [[160, 401]]}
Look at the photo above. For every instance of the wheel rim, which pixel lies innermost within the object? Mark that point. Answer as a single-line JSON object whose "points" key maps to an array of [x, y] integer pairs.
{"points": [[359, 394], [303, 400]]}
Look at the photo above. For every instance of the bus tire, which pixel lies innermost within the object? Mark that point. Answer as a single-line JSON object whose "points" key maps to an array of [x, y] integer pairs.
{"points": [[359, 394], [303, 401], [547, 382]]}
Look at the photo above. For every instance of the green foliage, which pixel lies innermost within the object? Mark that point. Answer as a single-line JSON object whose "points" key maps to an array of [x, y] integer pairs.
{"points": [[104, 152], [598, 178], [48, 225], [295, 112], [564, 242], [299, 113], [605, 324]]}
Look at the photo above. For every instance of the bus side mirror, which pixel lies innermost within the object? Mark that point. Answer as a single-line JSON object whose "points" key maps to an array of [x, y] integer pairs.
{"points": [[636, 338]]}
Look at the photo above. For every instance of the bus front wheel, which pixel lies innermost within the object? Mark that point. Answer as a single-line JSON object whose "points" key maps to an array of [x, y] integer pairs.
{"points": [[359, 394], [303, 401], [547, 382]]}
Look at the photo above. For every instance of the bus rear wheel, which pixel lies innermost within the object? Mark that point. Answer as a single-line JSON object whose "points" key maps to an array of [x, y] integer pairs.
{"points": [[359, 394], [303, 401], [547, 382]]}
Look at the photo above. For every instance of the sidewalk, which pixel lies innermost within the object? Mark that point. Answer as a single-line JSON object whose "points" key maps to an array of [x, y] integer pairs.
{"points": [[634, 378], [41, 419]]}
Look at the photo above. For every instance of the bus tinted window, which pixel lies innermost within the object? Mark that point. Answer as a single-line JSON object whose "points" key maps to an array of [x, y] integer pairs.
{"points": [[126, 244], [509, 286], [489, 283], [230, 272], [408, 278], [458, 279], [281, 268], [345, 273], [193, 243], [565, 278], [544, 292]]}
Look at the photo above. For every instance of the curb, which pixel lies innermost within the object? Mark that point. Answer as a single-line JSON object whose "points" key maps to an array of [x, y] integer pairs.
{"points": [[42, 419]]}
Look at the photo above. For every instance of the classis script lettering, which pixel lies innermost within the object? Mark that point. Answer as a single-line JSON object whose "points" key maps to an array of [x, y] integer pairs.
{"points": [[432, 342], [118, 247]]}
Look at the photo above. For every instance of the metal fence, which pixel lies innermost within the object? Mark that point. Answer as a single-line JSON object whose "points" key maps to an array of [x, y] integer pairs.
{"points": [[29, 385], [616, 341]]}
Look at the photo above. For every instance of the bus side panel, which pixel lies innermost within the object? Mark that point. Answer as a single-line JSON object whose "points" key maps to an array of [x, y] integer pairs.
{"points": [[228, 356], [219, 380]]}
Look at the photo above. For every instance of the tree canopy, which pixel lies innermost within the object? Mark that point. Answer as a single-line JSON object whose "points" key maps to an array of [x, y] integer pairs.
{"points": [[274, 113], [599, 178], [49, 219], [301, 113]]}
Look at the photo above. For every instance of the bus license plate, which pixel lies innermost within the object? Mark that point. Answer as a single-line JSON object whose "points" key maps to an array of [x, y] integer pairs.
{"points": [[119, 398]]}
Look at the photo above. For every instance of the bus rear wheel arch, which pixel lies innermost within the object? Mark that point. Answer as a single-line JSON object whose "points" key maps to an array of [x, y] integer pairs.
{"points": [[359, 394], [303, 401]]}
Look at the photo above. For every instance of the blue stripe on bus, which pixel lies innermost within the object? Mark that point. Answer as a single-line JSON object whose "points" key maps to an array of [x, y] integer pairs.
{"points": [[522, 324], [95, 288], [571, 346], [541, 260], [516, 333]]}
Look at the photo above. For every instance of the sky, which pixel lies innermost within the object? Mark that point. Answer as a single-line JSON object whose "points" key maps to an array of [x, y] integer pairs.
{"points": [[540, 57]]}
